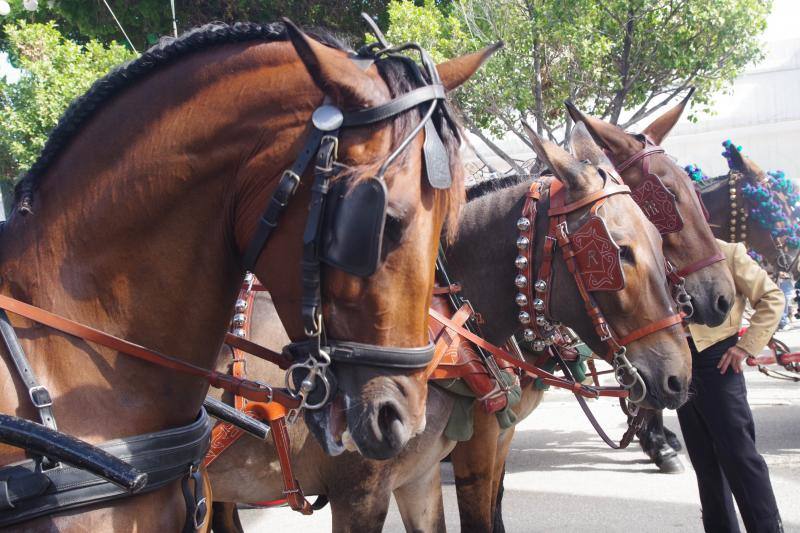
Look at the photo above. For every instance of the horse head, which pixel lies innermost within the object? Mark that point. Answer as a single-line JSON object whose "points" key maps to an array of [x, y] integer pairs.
{"points": [[669, 199], [621, 272]]}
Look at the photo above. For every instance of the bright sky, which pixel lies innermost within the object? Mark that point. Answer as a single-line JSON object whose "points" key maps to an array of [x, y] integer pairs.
{"points": [[6, 70]]}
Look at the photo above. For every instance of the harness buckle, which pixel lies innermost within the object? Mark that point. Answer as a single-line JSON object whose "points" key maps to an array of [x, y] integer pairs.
{"points": [[563, 232], [335, 152], [40, 397], [605, 332], [200, 513], [290, 174]]}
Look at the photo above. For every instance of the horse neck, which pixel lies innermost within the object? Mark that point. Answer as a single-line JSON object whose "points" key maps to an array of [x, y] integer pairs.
{"points": [[482, 258], [758, 239], [132, 234]]}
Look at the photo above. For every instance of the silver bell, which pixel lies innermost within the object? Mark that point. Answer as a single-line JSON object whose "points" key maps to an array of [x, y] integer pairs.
{"points": [[538, 304], [239, 332], [239, 319], [524, 317], [521, 299], [539, 345], [521, 262], [523, 223], [523, 242], [540, 285], [249, 277], [520, 281], [541, 321], [241, 305], [528, 334]]}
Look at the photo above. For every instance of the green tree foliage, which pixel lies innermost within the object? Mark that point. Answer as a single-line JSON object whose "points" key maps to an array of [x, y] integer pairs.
{"points": [[147, 20], [621, 60], [55, 70]]}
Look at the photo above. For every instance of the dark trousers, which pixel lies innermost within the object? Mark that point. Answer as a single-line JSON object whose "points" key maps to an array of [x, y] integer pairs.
{"points": [[718, 429]]}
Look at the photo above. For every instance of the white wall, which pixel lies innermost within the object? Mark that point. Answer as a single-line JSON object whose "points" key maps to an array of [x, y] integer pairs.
{"points": [[762, 111]]}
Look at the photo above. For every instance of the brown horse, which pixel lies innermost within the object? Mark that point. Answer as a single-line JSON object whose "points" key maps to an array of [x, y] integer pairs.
{"points": [[146, 196], [482, 259], [479, 463], [710, 286]]}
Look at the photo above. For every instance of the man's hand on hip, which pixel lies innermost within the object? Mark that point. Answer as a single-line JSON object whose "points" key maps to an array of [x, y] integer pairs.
{"points": [[733, 358]]}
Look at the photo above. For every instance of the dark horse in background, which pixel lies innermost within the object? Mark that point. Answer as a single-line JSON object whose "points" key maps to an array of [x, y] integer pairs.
{"points": [[135, 219], [730, 217]]}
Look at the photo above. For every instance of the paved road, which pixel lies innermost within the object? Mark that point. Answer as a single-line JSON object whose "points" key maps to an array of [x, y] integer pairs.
{"points": [[561, 477]]}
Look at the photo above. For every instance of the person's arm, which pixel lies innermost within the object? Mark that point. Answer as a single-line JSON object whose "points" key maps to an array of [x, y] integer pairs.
{"points": [[768, 302]]}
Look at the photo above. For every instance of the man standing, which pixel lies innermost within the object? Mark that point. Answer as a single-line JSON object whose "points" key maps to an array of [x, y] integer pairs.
{"points": [[717, 423]]}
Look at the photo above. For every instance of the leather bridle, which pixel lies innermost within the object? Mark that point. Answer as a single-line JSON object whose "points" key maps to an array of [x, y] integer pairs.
{"points": [[534, 298], [309, 378], [666, 217]]}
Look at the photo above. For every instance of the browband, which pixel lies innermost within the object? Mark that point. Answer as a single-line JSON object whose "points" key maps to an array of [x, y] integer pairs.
{"points": [[395, 106], [609, 190], [647, 150]]}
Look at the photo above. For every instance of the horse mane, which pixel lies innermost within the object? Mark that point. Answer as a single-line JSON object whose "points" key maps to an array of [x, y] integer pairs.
{"points": [[711, 184], [491, 185], [397, 74]]}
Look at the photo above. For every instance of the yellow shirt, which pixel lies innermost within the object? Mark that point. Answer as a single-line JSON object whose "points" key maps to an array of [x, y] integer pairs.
{"points": [[754, 285]]}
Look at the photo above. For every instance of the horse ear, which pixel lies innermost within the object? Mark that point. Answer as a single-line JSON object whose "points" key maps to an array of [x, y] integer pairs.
{"points": [[456, 71], [737, 160], [583, 147], [565, 168], [660, 127], [332, 71], [607, 135]]}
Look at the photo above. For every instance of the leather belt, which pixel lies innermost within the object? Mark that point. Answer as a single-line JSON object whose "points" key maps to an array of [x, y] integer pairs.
{"points": [[164, 456]]}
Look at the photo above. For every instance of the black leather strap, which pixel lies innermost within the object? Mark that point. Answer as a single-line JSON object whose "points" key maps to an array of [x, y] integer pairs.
{"points": [[195, 500], [165, 456], [38, 394], [310, 265], [393, 107], [280, 199], [382, 356]]}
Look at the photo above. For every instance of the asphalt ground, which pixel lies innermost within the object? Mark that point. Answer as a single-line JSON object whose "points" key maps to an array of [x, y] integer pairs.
{"points": [[561, 477]]}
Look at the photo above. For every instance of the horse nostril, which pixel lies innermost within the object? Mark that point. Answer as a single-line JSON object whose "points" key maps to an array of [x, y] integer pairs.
{"points": [[723, 305], [674, 384], [390, 421]]}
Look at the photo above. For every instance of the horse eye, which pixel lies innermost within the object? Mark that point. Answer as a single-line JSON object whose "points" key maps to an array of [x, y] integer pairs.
{"points": [[393, 229], [626, 254]]}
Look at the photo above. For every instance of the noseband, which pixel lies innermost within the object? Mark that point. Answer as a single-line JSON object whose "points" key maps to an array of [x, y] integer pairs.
{"points": [[661, 208], [593, 259], [345, 224]]}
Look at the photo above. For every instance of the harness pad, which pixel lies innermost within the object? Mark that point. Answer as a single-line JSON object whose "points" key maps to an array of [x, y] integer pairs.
{"points": [[659, 205], [598, 257]]}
